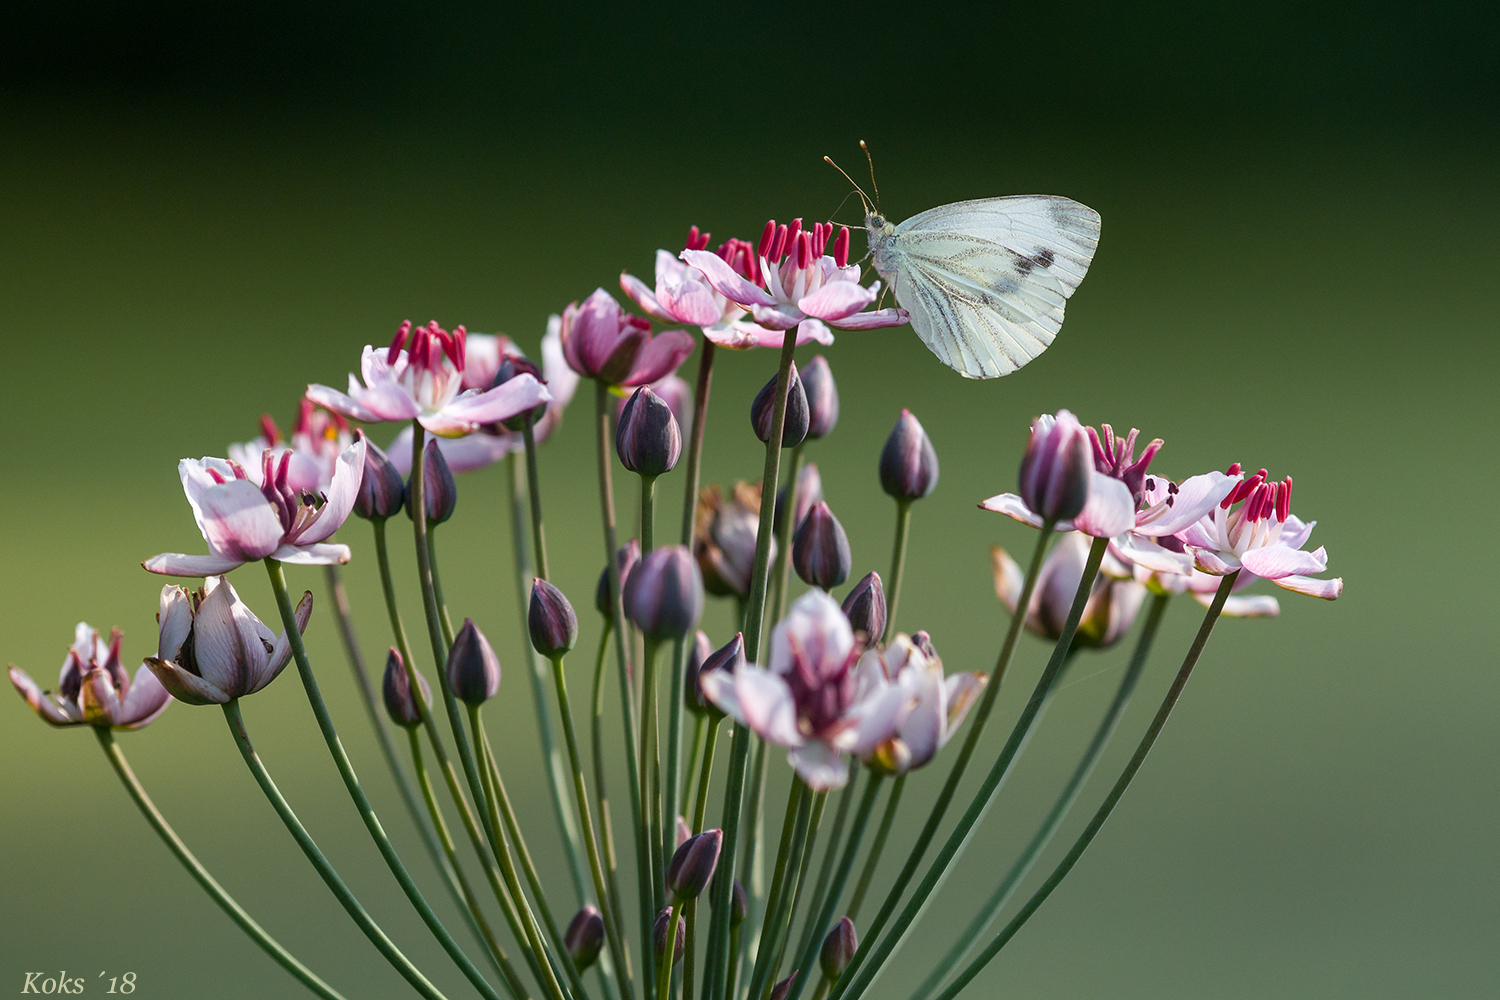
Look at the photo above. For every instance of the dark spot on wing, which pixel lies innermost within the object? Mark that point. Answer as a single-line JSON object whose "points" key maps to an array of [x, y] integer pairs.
{"points": [[1043, 259]]}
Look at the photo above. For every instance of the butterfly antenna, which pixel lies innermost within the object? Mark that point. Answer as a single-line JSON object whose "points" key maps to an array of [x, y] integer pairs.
{"points": [[864, 198], [870, 160], [836, 211]]}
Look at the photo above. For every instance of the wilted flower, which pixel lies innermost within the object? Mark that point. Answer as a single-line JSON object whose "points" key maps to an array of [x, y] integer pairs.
{"points": [[243, 521], [602, 341], [473, 668], [94, 688], [551, 619], [396, 688], [648, 439], [838, 948], [584, 937], [937, 703], [822, 398], [693, 864], [820, 549], [318, 439], [809, 492], [438, 488], [763, 410], [724, 536], [424, 382], [808, 698], [1112, 604], [865, 607], [213, 649], [626, 557], [664, 594]]}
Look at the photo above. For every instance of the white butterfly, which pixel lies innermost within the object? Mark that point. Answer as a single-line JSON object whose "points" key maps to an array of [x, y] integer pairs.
{"points": [[986, 281]]}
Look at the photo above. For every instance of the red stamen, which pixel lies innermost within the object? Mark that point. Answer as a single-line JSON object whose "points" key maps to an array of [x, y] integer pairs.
{"points": [[269, 430], [282, 468], [1233, 470], [793, 233], [1284, 500], [778, 249], [217, 476], [841, 248], [804, 250], [398, 341], [767, 240], [451, 347]]}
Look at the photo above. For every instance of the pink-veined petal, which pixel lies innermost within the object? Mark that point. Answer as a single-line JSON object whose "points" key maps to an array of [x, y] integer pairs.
{"points": [[347, 473], [1212, 562], [836, 300], [1195, 497], [98, 699], [923, 729], [387, 400], [145, 700], [1012, 506], [1251, 606], [500, 403], [660, 357], [1295, 532], [281, 650], [181, 564], [811, 331], [687, 298], [237, 521], [39, 702], [874, 720], [725, 280], [1110, 509], [224, 643], [1328, 590], [1276, 561], [1010, 579], [777, 317], [1148, 553], [873, 320], [184, 685], [767, 704], [961, 690], [718, 687], [320, 554], [338, 402], [562, 380], [174, 621], [821, 766], [642, 295]]}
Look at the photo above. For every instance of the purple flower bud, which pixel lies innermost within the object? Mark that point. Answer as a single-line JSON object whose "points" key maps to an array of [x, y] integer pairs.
{"points": [[553, 623], [838, 948], [659, 936], [438, 486], [865, 608], [728, 658], [664, 595], [809, 492], [908, 463], [396, 687], [381, 489], [1057, 467], [784, 988], [473, 667], [794, 429], [510, 367], [822, 398], [923, 641], [584, 937], [820, 549], [677, 394], [625, 558], [693, 865], [648, 440], [692, 695]]}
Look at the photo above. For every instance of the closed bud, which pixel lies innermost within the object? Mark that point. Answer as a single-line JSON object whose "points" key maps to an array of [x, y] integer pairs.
{"points": [[794, 429], [693, 865], [438, 486], [822, 398], [584, 937], [865, 607], [473, 667], [1057, 467], [664, 594], [692, 695], [809, 492], [396, 687], [739, 902], [625, 559], [908, 463], [553, 624], [510, 367], [648, 438], [677, 394], [783, 989], [381, 489], [729, 658], [820, 549], [838, 948], [659, 936]]}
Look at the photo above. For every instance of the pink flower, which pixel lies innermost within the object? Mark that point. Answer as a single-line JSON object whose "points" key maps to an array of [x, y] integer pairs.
{"points": [[1058, 482], [243, 521], [683, 295], [318, 438], [938, 703], [1202, 587], [94, 688], [797, 282], [809, 699], [1114, 599], [602, 341], [425, 382], [1262, 536]]}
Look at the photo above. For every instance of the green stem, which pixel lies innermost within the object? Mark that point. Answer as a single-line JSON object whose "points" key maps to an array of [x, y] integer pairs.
{"points": [[195, 868], [665, 961], [556, 771], [1060, 808], [705, 777], [648, 514], [804, 852], [320, 862], [781, 573], [606, 825], [690, 915], [650, 772], [793, 830], [877, 847], [684, 792], [898, 565], [752, 872], [1110, 801], [695, 440], [437, 585], [357, 792], [534, 490], [958, 839], [830, 858]]}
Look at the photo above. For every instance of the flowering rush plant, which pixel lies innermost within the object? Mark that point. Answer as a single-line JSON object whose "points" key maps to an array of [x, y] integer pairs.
{"points": [[662, 896]]}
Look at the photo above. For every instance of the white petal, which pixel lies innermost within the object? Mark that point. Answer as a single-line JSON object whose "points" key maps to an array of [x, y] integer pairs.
{"points": [[1012, 506], [180, 564], [341, 493], [322, 554], [822, 767], [767, 704]]}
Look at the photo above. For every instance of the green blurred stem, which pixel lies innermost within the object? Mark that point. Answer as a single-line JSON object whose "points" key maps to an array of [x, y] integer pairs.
{"points": [[793, 832], [684, 793], [557, 773], [705, 776], [752, 871], [853, 986], [437, 586], [644, 895], [877, 847], [606, 825], [195, 868], [648, 514], [1107, 806], [898, 564], [689, 955], [804, 853], [664, 962], [650, 771], [357, 792], [830, 857], [534, 490], [341, 892], [781, 574], [695, 440], [1060, 808]]}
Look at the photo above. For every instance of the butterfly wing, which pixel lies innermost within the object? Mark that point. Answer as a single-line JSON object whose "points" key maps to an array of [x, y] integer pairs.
{"points": [[986, 281]]}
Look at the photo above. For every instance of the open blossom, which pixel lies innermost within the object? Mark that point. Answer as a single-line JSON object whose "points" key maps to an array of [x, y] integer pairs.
{"points": [[319, 437], [243, 520], [798, 282], [1114, 599], [1253, 528], [94, 688], [212, 649], [809, 698], [684, 295], [421, 377], [938, 703], [724, 537], [602, 341], [1201, 587]]}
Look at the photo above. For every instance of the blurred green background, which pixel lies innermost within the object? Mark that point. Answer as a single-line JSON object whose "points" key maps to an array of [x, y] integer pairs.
{"points": [[206, 208]]}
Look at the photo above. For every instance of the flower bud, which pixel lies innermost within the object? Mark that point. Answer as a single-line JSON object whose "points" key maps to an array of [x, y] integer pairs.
{"points": [[659, 936], [822, 398], [551, 619], [693, 865], [511, 366], [784, 988], [728, 658], [648, 439], [438, 486], [664, 595], [820, 549], [625, 558], [381, 489], [809, 492], [396, 687], [677, 394], [794, 429], [584, 937], [692, 695], [1057, 467], [838, 948], [473, 667], [908, 463], [865, 608], [923, 641], [739, 902]]}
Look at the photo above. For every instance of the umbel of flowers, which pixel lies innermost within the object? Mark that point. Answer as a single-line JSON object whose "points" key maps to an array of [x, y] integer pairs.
{"points": [[856, 698]]}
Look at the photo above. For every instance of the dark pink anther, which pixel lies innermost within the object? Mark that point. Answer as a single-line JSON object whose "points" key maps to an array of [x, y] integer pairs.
{"points": [[639, 322], [269, 430], [1233, 470], [841, 248], [283, 468], [461, 340], [778, 248], [451, 347], [793, 233], [217, 476], [398, 341], [1284, 500], [696, 240], [767, 239], [804, 250]]}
